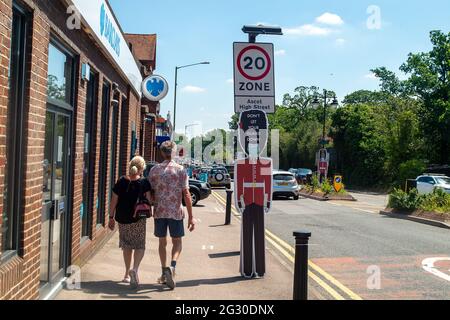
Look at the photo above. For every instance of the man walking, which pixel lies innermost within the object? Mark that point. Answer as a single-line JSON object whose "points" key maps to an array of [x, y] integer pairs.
{"points": [[170, 183]]}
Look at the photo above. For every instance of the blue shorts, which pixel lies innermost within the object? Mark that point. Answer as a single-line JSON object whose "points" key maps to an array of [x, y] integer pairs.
{"points": [[176, 228]]}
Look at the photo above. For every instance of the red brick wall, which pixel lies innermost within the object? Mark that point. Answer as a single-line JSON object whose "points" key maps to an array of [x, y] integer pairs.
{"points": [[19, 277], [5, 40]]}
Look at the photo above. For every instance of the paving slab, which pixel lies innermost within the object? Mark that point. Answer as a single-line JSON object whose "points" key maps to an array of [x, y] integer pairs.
{"points": [[208, 268]]}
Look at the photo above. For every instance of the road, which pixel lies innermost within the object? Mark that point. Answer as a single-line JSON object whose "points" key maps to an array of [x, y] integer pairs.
{"points": [[357, 253]]}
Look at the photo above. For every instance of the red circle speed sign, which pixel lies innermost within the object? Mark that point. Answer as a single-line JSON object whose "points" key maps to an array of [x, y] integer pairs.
{"points": [[261, 64]]}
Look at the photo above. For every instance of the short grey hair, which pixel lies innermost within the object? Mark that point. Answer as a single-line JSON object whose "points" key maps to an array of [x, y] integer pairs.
{"points": [[168, 148]]}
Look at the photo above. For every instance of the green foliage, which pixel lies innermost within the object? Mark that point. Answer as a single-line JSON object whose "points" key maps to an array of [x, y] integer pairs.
{"points": [[438, 201], [410, 169], [315, 183], [359, 137], [327, 188], [401, 200]]}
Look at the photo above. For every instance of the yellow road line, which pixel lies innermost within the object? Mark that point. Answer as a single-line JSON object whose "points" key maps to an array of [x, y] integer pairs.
{"points": [[338, 284], [319, 281], [287, 250]]}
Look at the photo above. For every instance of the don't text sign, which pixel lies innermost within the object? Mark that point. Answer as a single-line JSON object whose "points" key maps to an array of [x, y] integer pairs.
{"points": [[254, 77]]}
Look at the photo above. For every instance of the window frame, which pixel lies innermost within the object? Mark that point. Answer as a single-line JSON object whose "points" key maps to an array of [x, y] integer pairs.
{"points": [[16, 117], [104, 164], [58, 44], [90, 119]]}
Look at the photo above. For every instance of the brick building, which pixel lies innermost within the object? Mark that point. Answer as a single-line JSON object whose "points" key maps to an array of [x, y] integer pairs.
{"points": [[70, 120], [143, 47]]}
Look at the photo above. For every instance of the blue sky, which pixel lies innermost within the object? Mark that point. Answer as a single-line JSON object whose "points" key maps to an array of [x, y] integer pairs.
{"points": [[327, 43]]}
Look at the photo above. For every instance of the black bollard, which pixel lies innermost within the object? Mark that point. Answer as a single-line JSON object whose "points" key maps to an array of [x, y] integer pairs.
{"points": [[301, 265], [228, 209]]}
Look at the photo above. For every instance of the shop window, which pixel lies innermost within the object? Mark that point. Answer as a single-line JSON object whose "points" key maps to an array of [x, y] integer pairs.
{"points": [[123, 140], [115, 136], [103, 165], [60, 76], [89, 155], [12, 194]]}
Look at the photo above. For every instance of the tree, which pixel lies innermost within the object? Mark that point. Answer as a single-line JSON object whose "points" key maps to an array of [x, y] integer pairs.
{"points": [[360, 137], [428, 83]]}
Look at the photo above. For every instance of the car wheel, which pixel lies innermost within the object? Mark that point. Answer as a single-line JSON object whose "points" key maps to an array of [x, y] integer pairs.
{"points": [[195, 198], [296, 197]]}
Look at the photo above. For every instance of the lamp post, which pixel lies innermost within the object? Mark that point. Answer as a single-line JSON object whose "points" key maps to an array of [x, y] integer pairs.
{"points": [[316, 104], [176, 86]]}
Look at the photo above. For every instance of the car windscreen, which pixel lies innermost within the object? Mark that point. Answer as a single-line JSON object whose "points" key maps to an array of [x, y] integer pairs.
{"points": [[283, 177], [215, 171]]}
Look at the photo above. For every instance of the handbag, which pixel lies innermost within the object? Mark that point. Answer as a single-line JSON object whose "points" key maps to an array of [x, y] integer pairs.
{"points": [[143, 208]]}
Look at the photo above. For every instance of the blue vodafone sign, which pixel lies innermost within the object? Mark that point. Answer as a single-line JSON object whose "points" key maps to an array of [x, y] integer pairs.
{"points": [[155, 88]]}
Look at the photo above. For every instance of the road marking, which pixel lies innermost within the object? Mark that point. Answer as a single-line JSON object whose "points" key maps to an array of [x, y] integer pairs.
{"points": [[428, 265], [289, 252], [319, 281], [359, 204], [325, 274]]}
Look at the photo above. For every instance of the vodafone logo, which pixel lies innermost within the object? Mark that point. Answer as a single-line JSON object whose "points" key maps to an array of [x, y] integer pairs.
{"points": [[254, 63]]}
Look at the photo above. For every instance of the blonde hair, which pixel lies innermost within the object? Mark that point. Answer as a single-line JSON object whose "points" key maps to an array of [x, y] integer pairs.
{"points": [[137, 164]]}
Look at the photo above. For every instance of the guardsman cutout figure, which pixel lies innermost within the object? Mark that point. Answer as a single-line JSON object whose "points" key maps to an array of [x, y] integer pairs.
{"points": [[253, 191]]}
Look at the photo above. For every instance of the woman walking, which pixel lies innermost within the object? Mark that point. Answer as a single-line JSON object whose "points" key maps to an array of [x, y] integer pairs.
{"points": [[132, 229]]}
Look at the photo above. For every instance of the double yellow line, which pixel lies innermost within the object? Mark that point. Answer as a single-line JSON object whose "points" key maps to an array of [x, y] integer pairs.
{"points": [[335, 288]]}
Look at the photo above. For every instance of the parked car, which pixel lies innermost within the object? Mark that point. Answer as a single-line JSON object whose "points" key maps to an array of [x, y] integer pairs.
{"points": [[219, 177], [285, 185], [427, 183], [199, 191], [304, 176]]}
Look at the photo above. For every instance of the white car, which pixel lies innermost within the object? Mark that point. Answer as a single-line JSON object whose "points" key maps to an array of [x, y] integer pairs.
{"points": [[285, 185], [427, 183]]}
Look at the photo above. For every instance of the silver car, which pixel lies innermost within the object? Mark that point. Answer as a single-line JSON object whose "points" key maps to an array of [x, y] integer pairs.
{"points": [[285, 185]]}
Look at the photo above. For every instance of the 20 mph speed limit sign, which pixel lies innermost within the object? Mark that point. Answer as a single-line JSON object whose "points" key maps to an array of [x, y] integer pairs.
{"points": [[254, 77]]}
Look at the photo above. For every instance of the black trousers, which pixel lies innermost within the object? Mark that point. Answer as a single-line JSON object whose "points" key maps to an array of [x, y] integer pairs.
{"points": [[253, 251]]}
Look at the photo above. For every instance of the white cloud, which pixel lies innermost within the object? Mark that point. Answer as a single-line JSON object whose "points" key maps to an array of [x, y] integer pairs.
{"points": [[324, 25], [371, 76], [308, 30], [193, 89], [281, 52], [330, 19], [340, 41]]}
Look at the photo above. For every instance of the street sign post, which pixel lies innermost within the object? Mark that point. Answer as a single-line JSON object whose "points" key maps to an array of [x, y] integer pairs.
{"points": [[338, 183], [254, 77], [323, 162]]}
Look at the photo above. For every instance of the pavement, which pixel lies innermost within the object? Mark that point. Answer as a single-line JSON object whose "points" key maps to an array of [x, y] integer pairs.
{"points": [[208, 268]]}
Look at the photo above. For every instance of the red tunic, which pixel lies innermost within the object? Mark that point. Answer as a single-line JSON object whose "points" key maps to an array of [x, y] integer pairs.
{"points": [[253, 182]]}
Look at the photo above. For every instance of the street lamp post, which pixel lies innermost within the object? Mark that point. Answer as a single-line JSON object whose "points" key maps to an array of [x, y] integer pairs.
{"points": [[334, 103], [176, 87]]}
